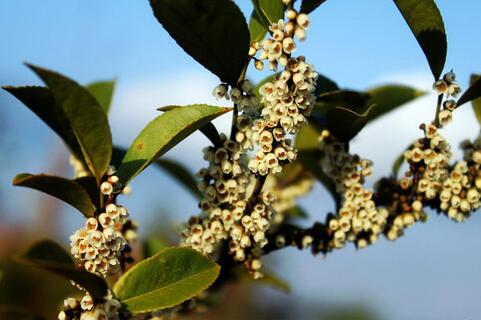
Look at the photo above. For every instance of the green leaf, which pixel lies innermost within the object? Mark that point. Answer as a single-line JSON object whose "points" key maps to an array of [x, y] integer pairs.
{"points": [[86, 118], [212, 32], [154, 245], [50, 256], [308, 6], [426, 23], [269, 279], [307, 138], [41, 101], [66, 190], [269, 11], [257, 30], [297, 212], [324, 85], [172, 276], [386, 98], [90, 185], [473, 92], [209, 130], [103, 92], [163, 133]]}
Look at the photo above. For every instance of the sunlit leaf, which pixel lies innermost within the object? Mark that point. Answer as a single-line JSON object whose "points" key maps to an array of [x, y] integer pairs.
{"points": [[257, 30], [86, 117], [269, 11], [425, 21], [103, 92], [163, 133], [66, 190], [213, 32], [50, 256], [166, 279]]}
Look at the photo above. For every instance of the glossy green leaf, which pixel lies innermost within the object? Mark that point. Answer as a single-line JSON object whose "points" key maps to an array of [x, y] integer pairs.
{"points": [[50, 256], [473, 92], [41, 101], [103, 92], [154, 245], [163, 133], [308, 6], [166, 279], [212, 32], [86, 117], [325, 85], [209, 130], [425, 21], [257, 30], [269, 11], [66, 190], [386, 98]]}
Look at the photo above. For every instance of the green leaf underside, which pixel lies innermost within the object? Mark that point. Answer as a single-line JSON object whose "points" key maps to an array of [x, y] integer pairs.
{"points": [[269, 11], [212, 32], [103, 92], [41, 102], [425, 21], [257, 30], [66, 190], [473, 92], [86, 117], [175, 169], [163, 133], [386, 98], [50, 256], [168, 278], [308, 6]]}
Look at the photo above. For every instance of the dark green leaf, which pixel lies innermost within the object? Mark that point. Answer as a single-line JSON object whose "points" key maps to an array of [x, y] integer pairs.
{"points": [[103, 92], [426, 23], [388, 97], [476, 102], [297, 212], [66, 190], [41, 101], [50, 256], [163, 133], [269, 11], [213, 32], [86, 117], [473, 92], [170, 277], [90, 185], [308, 6], [257, 30], [324, 85]]}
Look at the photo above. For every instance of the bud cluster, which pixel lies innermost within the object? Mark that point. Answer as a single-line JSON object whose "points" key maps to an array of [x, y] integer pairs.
{"points": [[88, 309]]}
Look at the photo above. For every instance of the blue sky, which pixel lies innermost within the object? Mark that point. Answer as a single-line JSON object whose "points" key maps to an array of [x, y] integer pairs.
{"points": [[432, 273]]}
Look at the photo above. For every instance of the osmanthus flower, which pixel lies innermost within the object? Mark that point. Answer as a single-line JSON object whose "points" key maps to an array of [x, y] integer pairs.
{"points": [[87, 309]]}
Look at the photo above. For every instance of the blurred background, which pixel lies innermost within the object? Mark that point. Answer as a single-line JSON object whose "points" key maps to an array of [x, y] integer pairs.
{"points": [[434, 272]]}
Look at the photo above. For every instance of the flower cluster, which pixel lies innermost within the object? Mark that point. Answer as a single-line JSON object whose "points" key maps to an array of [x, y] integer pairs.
{"points": [[100, 243], [358, 219], [87, 309], [288, 101], [278, 48]]}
